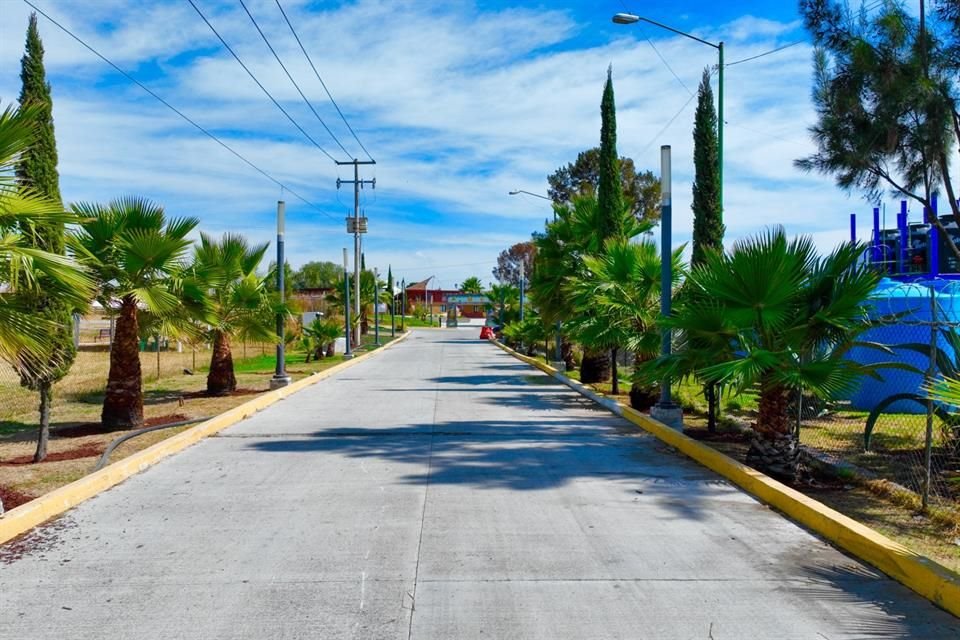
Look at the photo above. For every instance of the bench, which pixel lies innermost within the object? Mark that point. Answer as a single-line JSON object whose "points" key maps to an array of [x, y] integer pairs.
{"points": [[103, 333]]}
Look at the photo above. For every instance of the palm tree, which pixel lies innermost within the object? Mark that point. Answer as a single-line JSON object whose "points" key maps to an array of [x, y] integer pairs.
{"points": [[503, 302], [560, 257], [528, 332], [239, 301], [133, 251], [780, 318], [24, 335], [322, 335], [472, 285], [616, 299]]}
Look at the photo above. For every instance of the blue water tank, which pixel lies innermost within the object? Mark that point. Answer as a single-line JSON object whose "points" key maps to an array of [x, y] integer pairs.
{"points": [[907, 306]]}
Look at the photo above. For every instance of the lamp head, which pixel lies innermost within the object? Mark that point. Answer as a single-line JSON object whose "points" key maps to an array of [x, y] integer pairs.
{"points": [[626, 18]]}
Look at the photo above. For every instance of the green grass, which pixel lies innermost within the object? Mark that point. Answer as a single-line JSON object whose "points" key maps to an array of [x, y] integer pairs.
{"points": [[689, 394], [410, 321]]}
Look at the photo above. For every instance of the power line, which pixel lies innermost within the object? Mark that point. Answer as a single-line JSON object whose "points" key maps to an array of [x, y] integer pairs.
{"points": [[659, 55], [294, 82], [667, 65], [262, 88], [446, 266], [322, 83], [670, 122], [765, 53], [178, 112]]}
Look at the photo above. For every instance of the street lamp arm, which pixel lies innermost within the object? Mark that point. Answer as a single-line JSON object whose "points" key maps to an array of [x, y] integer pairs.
{"points": [[628, 18], [529, 193]]}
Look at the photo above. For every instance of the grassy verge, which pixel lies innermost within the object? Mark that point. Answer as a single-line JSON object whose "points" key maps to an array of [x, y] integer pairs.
{"points": [[77, 443]]}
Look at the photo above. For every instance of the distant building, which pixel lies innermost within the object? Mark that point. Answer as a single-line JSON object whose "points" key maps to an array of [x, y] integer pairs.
{"points": [[440, 301], [469, 305], [312, 298]]}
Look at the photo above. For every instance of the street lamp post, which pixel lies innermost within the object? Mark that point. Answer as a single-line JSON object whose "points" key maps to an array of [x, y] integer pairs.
{"points": [[629, 18], [665, 410], [347, 352], [558, 347], [280, 377], [393, 307], [376, 307]]}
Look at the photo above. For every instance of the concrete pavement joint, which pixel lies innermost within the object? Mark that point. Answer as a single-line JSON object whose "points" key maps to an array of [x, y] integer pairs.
{"points": [[933, 581], [426, 493]]}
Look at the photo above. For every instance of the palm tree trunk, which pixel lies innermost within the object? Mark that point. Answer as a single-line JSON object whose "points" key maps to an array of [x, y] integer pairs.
{"points": [[774, 448], [364, 323], [43, 434], [566, 353], [710, 391], [614, 373], [123, 402], [642, 397], [221, 379], [595, 366]]}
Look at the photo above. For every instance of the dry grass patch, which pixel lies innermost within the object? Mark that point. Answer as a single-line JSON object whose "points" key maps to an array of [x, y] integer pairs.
{"points": [[76, 443]]}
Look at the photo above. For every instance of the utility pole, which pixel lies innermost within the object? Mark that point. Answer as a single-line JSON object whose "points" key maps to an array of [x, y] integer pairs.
{"points": [[403, 304], [356, 227]]}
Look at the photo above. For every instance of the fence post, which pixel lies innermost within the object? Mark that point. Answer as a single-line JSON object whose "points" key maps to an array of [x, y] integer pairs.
{"points": [[931, 372]]}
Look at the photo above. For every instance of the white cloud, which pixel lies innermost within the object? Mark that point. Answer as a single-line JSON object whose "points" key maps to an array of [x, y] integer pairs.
{"points": [[459, 106]]}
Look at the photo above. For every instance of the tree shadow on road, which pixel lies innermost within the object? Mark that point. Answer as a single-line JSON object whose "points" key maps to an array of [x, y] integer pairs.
{"points": [[525, 455]]}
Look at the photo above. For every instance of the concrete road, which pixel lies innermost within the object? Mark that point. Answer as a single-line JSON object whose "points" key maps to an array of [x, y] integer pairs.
{"points": [[441, 490]]}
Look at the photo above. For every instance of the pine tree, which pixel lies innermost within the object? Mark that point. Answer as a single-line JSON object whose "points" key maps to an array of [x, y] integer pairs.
{"points": [[38, 169], [707, 216], [610, 188]]}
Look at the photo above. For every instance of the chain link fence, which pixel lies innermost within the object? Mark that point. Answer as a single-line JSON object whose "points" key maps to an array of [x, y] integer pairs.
{"points": [[888, 428]]}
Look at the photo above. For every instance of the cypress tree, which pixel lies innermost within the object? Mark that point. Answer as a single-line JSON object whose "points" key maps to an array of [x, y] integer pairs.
{"points": [[37, 169], [707, 216], [595, 365], [610, 188]]}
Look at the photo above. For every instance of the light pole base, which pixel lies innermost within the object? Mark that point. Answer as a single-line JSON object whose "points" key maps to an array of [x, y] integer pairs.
{"points": [[669, 414], [277, 382]]}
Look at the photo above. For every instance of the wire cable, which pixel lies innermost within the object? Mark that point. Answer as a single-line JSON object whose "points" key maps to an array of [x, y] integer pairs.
{"points": [[294, 82], [322, 83], [667, 65], [659, 55], [765, 53], [177, 111], [670, 122], [262, 88]]}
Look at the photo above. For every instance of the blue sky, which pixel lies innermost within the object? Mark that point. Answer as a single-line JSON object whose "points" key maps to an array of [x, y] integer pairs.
{"points": [[459, 102]]}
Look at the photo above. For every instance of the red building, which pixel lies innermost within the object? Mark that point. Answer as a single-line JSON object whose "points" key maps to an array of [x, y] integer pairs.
{"points": [[420, 294]]}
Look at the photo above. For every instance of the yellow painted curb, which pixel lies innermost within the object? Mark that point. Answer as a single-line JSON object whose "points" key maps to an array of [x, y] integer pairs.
{"points": [[26, 516], [921, 574]]}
